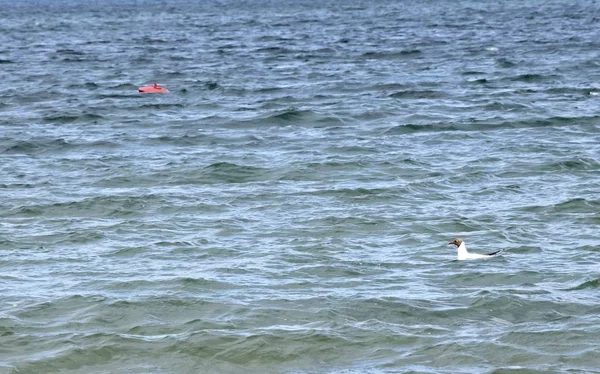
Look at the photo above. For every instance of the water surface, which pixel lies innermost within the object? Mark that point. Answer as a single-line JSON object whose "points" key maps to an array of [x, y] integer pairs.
{"points": [[286, 208]]}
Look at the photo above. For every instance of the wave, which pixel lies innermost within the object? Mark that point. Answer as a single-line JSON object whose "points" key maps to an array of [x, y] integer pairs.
{"points": [[575, 205], [344, 223], [533, 78], [184, 140], [39, 146], [162, 105], [76, 59], [275, 50], [126, 252], [132, 94], [216, 173], [99, 206], [11, 146], [498, 123], [575, 164], [124, 87], [586, 91], [168, 283], [392, 55], [593, 284], [84, 86], [62, 119], [211, 85], [68, 51], [505, 63], [290, 116], [357, 192], [225, 172], [417, 94], [413, 128], [472, 72], [479, 81], [220, 335]]}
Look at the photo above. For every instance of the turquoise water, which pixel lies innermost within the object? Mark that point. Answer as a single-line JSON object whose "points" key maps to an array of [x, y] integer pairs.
{"points": [[286, 208]]}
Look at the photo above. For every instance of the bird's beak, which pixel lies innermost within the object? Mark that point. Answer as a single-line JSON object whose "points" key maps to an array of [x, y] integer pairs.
{"points": [[451, 243]]}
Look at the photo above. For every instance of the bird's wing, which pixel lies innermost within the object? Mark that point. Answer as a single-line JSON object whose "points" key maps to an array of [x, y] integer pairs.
{"points": [[494, 253]]}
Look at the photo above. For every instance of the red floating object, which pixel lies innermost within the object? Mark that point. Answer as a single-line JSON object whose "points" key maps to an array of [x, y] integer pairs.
{"points": [[153, 89]]}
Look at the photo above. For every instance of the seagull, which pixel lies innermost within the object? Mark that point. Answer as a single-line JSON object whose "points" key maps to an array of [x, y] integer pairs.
{"points": [[464, 255]]}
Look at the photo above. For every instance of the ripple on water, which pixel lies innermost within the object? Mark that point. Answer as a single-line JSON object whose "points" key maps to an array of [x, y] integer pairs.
{"points": [[286, 207]]}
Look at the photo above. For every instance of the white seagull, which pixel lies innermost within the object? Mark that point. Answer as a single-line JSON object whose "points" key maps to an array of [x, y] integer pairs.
{"points": [[464, 255]]}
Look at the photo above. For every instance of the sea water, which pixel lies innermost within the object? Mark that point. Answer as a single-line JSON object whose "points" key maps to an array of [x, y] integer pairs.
{"points": [[286, 208]]}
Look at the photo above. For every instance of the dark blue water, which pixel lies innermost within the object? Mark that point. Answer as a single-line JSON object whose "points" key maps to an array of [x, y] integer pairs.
{"points": [[286, 208]]}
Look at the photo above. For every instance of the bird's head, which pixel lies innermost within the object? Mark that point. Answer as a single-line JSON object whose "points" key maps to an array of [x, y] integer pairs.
{"points": [[457, 242]]}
